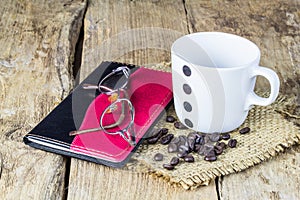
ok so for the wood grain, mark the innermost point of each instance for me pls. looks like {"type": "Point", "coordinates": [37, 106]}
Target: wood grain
{"type": "Point", "coordinates": [37, 44]}
{"type": "Point", "coordinates": [139, 32]}
{"type": "Point", "coordinates": [275, 27]}
{"type": "Point", "coordinates": [99, 182]}
{"type": "Point", "coordinates": [275, 179]}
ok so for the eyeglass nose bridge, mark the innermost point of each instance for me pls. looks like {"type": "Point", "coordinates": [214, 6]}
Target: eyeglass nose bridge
{"type": "Point", "coordinates": [106, 90]}
{"type": "Point", "coordinates": [125, 132]}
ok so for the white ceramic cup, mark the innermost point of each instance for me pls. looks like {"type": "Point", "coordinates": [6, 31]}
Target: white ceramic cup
{"type": "Point", "coordinates": [213, 76]}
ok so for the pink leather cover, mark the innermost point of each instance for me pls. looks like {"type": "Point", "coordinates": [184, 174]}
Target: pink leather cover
{"type": "Point", "coordinates": [150, 91]}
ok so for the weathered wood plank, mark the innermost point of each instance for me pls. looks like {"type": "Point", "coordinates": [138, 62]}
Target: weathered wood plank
{"type": "Point", "coordinates": [139, 32]}
{"type": "Point", "coordinates": [98, 182]}
{"type": "Point", "coordinates": [274, 26]}
{"type": "Point", "coordinates": [37, 44]}
{"type": "Point", "coordinates": [275, 179]}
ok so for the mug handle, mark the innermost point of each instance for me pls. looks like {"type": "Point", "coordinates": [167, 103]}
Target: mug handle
{"type": "Point", "coordinates": [272, 77]}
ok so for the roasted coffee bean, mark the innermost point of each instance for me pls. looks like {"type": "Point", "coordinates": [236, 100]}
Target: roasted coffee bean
{"type": "Point", "coordinates": [189, 158]}
{"type": "Point", "coordinates": [158, 157]}
{"type": "Point", "coordinates": [152, 140]}
{"type": "Point", "coordinates": [183, 148]}
{"type": "Point", "coordinates": [175, 140]}
{"type": "Point", "coordinates": [211, 159]}
{"type": "Point", "coordinates": [214, 137]}
{"type": "Point", "coordinates": [232, 143]}
{"type": "Point", "coordinates": [182, 154]}
{"type": "Point", "coordinates": [205, 149]}
{"type": "Point", "coordinates": [191, 144]}
{"type": "Point", "coordinates": [170, 119]}
{"type": "Point", "coordinates": [179, 125]}
{"type": "Point", "coordinates": [199, 140]}
{"type": "Point", "coordinates": [164, 131]}
{"type": "Point", "coordinates": [192, 135]}
{"type": "Point", "coordinates": [166, 139]}
{"type": "Point", "coordinates": [225, 136]}
{"type": "Point", "coordinates": [172, 148]}
{"type": "Point", "coordinates": [153, 134]}
{"type": "Point", "coordinates": [244, 130]}
{"type": "Point", "coordinates": [221, 144]}
{"type": "Point", "coordinates": [210, 153]}
{"type": "Point", "coordinates": [197, 147]}
{"type": "Point", "coordinates": [218, 150]}
{"type": "Point", "coordinates": [183, 140]}
{"type": "Point", "coordinates": [174, 161]}
{"type": "Point", "coordinates": [168, 166]}
{"type": "Point", "coordinates": [158, 134]}
{"type": "Point", "coordinates": [207, 140]}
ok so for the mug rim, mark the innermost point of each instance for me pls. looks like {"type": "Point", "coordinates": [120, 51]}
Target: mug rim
{"type": "Point", "coordinates": [249, 64]}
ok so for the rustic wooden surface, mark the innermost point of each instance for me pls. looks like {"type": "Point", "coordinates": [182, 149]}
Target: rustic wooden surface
{"type": "Point", "coordinates": [37, 52]}
{"type": "Point", "coordinates": [37, 45]}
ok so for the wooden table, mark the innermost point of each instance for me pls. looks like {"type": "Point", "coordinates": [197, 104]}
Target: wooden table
{"type": "Point", "coordinates": [46, 48]}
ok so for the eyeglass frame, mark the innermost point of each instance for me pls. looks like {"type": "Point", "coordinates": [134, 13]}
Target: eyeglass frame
{"type": "Point", "coordinates": [124, 133]}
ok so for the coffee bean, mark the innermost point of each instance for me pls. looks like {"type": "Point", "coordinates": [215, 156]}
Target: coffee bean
{"type": "Point", "coordinates": [225, 136]}
{"type": "Point", "coordinates": [221, 144]}
{"type": "Point", "coordinates": [179, 125]}
{"type": "Point", "coordinates": [154, 133]}
{"type": "Point", "coordinates": [172, 148]}
{"type": "Point", "coordinates": [191, 144]}
{"type": "Point", "coordinates": [197, 147]}
{"type": "Point", "coordinates": [152, 140]}
{"type": "Point", "coordinates": [205, 149]}
{"type": "Point", "coordinates": [210, 153]}
{"type": "Point", "coordinates": [166, 139]}
{"type": "Point", "coordinates": [183, 140]}
{"type": "Point", "coordinates": [214, 137]}
{"type": "Point", "coordinates": [207, 140]}
{"type": "Point", "coordinates": [164, 131]}
{"type": "Point", "coordinates": [158, 157]}
{"type": "Point", "coordinates": [170, 119]}
{"type": "Point", "coordinates": [175, 140]}
{"type": "Point", "coordinates": [232, 143]}
{"type": "Point", "coordinates": [168, 166]}
{"type": "Point", "coordinates": [199, 140]}
{"type": "Point", "coordinates": [244, 130]}
{"type": "Point", "coordinates": [183, 148]}
{"type": "Point", "coordinates": [174, 161]}
{"type": "Point", "coordinates": [158, 134]}
{"type": "Point", "coordinates": [192, 135]}
{"type": "Point", "coordinates": [218, 150]}
{"type": "Point", "coordinates": [189, 158]}
{"type": "Point", "coordinates": [182, 154]}
{"type": "Point", "coordinates": [211, 159]}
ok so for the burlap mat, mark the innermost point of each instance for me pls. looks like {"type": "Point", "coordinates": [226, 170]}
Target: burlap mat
{"type": "Point", "coordinates": [273, 128]}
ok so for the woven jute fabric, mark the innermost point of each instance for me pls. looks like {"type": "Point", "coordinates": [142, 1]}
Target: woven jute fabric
{"type": "Point", "coordinates": [273, 129]}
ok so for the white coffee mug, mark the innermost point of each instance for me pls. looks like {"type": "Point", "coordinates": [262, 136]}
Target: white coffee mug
{"type": "Point", "coordinates": [213, 76]}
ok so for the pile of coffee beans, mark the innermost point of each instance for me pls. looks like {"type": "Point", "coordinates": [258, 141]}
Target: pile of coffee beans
{"type": "Point", "coordinates": [206, 146]}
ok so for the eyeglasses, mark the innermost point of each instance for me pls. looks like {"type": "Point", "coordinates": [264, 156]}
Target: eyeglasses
{"type": "Point", "coordinates": [121, 108]}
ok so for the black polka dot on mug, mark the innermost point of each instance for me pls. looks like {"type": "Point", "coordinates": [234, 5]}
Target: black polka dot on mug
{"type": "Point", "coordinates": [187, 106]}
{"type": "Point", "coordinates": [186, 70]}
{"type": "Point", "coordinates": [188, 123]}
{"type": "Point", "coordinates": [187, 89]}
